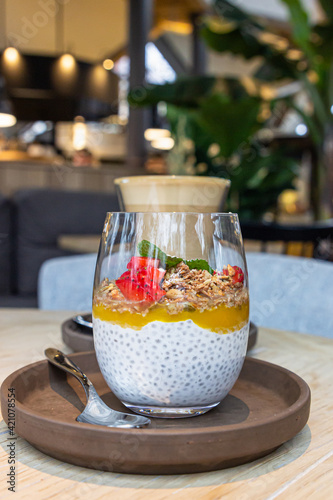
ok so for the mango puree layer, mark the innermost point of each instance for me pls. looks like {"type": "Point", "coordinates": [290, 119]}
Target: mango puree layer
{"type": "Point", "coordinates": [222, 319]}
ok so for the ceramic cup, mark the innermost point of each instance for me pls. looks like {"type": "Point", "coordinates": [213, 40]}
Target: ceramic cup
{"type": "Point", "coordinates": [171, 193]}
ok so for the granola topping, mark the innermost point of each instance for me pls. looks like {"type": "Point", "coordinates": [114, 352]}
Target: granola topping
{"type": "Point", "coordinates": [181, 289]}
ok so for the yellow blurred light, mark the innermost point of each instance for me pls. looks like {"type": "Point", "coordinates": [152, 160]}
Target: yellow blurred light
{"type": "Point", "coordinates": [213, 150]}
{"type": "Point", "coordinates": [108, 64]}
{"type": "Point", "coordinates": [221, 26]}
{"type": "Point", "coordinates": [250, 85]}
{"type": "Point", "coordinates": [152, 134]}
{"type": "Point", "coordinates": [79, 133]}
{"type": "Point", "coordinates": [7, 120]}
{"type": "Point", "coordinates": [288, 201]}
{"type": "Point", "coordinates": [98, 78]}
{"type": "Point", "coordinates": [181, 27]}
{"type": "Point", "coordinates": [313, 76]}
{"type": "Point", "coordinates": [267, 93]}
{"type": "Point", "coordinates": [294, 54]}
{"type": "Point", "coordinates": [278, 42]}
{"type": "Point", "coordinates": [11, 55]}
{"type": "Point", "coordinates": [67, 62]}
{"type": "Point", "coordinates": [164, 143]}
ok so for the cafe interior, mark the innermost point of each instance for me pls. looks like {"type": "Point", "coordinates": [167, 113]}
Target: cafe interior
{"type": "Point", "coordinates": [152, 151]}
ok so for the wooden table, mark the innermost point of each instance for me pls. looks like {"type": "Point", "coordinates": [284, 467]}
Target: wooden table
{"type": "Point", "coordinates": [79, 243]}
{"type": "Point", "coordinates": [300, 469]}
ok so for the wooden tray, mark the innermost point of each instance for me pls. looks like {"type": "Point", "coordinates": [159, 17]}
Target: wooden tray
{"type": "Point", "coordinates": [80, 339]}
{"type": "Point", "coordinates": [267, 406]}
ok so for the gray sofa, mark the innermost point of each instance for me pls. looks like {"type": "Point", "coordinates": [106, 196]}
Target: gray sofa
{"type": "Point", "coordinates": [30, 225]}
{"type": "Point", "coordinates": [6, 268]}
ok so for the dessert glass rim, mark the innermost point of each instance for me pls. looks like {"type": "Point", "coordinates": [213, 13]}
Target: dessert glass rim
{"type": "Point", "coordinates": [194, 179]}
{"type": "Point", "coordinates": [224, 214]}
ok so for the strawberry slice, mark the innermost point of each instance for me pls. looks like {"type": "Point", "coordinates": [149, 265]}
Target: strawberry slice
{"type": "Point", "coordinates": [238, 277]}
{"type": "Point", "coordinates": [138, 263]}
{"type": "Point", "coordinates": [144, 276]}
{"type": "Point", "coordinates": [131, 290]}
{"type": "Point", "coordinates": [155, 291]}
{"type": "Point", "coordinates": [134, 292]}
{"type": "Point", "coordinates": [141, 283]}
{"type": "Point", "coordinates": [151, 275]}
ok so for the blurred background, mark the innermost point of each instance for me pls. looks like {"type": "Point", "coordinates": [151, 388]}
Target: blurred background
{"type": "Point", "coordinates": [94, 91]}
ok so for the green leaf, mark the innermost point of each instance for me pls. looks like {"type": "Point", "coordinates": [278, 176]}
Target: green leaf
{"type": "Point", "coordinates": [229, 11]}
{"type": "Point", "coordinates": [147, 249]}
{"type": "Point", "coordinates": [275, 67]}
{"type": "Point", "coordinates": [229, 122]}
{"type": "Point", "coordinates": [245, 44]}
{"type": "Point", "coordinates": [300, 24]}
{"type": "Point", "coordinates": [315, 130]}
{"type": "Point", "coordinates": [172, 261]}
{"type": "Point", "coordinates": [235, 41]}
{"type": "Point", "coordinates": [186, 91]}
{"type": "Point", "coordinates": [199, 264]}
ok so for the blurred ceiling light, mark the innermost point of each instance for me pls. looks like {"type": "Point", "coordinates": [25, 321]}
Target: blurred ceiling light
{"type": "Point", "coordinates": [67, 62]}
{"type": "Point", "coordinates": [164, 143]}
{"type": "Point", "coordinates": [152, 134]}
{"type": "Point", "coordinates": [11, 55]}
{"type": "Point", "coordinates": [7, 120]}
{"type": "Point", "coordinates": [108, 64]}
{"type": "Point", "coordinates": [98, 80]}
{"type": "Point", "coordinates": [301, 129]}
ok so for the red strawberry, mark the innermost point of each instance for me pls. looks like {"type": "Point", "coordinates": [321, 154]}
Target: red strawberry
{"type": "Point", "coordinates": [138, 263]}
{"type": "Point", "coordinates": [142, 280]}
{"type": "Point", "coordinates": [238, 277]}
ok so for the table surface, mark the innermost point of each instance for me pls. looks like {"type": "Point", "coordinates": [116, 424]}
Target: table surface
{"type": "Point", "coordinates": [300, 469]}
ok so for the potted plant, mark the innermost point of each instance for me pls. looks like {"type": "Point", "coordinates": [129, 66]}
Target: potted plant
{"type": "Point", "coordinates": [219, 118]}
{"type": "Point", "coordinates": [305, 56]}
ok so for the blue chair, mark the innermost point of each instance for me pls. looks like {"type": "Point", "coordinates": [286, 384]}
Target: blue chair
{"type": "Point", "coordinates": [291, 293]}
{"type": "Point", "coordinates": [66, 283]}
{"type": "Point", "coordinates": [287, 293]}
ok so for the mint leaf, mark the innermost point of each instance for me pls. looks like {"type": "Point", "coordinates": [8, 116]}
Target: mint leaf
{"type": "Point", "coordinates": [147, 249]}
{"type": "Point", "coordinates": [172, 261]}
{"type": "Point", "coordinates": [199, 264]}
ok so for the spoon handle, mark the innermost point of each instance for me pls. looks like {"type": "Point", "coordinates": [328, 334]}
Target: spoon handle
{"type": "Point", "coordinates": [60, 360]}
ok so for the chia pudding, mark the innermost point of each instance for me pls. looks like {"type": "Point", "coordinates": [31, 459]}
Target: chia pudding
{"type": "Point", "coordinates": [173, 337]}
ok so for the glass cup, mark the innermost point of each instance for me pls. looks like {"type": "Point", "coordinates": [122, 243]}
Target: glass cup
{"type": "Point", "coordinates": [171, 310]}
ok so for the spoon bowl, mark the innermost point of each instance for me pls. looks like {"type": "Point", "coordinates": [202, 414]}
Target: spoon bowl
{"type": "Point", "coordinates": [96, 411]}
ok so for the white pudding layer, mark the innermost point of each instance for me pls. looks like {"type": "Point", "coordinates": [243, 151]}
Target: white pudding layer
{"type": "Point", "coordinates": [169, 364]}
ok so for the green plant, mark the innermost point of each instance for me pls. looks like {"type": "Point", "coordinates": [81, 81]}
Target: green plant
{"type": "Point", "coordinates": [306, 56]}
{"type": "Point", "coordinates": [222, 118]}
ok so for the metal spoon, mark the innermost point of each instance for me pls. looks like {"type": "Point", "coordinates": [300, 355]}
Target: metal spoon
{"type": "Point", "coordinates": [80, 320]}
{"type": "Point", "coordinates": [96, 411]}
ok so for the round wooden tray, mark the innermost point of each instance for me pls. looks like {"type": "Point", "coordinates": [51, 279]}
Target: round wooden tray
{"type": "Point", "coordinates": [80, 339]}
{"type": "Point", "coordinates": [267, 406]}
